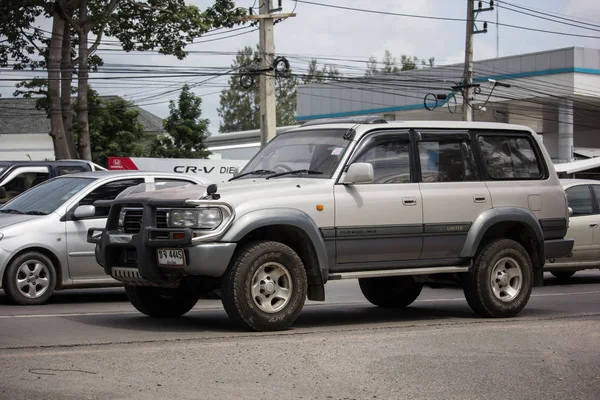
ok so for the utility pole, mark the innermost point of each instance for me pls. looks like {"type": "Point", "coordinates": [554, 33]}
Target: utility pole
{"type": "Point", "coordinates": [467, 110]}
{"type": "Point", "coordinates": [268, 109]}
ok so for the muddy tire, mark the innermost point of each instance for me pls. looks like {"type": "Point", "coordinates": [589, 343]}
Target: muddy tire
{"type": "Point", "coordinates": [265, 286]}
{"type": "Point", "coordinates": [500, 282]}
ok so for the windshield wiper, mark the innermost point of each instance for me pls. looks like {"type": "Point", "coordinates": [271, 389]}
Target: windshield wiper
{"type": "Point", "coordinates": [9, 211]}
{"type": "Point", "coordinates": [257, 172]}
{"type": "Point", "coordinates": [36, 213]}
{"type": "Point", "coordinates": [296, 172]}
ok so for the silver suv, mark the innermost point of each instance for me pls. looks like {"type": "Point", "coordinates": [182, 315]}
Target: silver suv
{"type": "Point", "coordinates": [396, 205]}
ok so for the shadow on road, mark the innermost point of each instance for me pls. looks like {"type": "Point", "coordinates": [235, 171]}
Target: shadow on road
{"type": "Point", "coordinates": [580, 278]}
{"type": "Point", "coordinates": [325, 315]}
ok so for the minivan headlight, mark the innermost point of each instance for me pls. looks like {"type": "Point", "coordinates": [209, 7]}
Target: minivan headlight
{"type": "Point", "coordinates": [199, 218]}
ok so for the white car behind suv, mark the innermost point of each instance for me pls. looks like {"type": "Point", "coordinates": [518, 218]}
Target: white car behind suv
{"type": "Point", "coordinates": [584, 226]}
{"type": "Point", "coordinates": [43, 232]}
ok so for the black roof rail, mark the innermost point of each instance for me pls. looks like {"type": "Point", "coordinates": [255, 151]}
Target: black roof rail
{"type": "Point", "coordinates": [359, 119]}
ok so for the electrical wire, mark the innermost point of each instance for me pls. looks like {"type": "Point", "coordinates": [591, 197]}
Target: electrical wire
{"type": "Point", "coordinates": [441, 18]}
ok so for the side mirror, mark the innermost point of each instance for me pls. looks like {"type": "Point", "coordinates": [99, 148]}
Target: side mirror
{"type": "Point", "coordinates": [84, 212]}
{"type": "Point", "coordinates": [2, 192]}
{"type": "Point", "coordinates": [359, 173]}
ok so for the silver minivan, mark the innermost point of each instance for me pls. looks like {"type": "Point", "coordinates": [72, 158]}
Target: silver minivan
{"type": "Point", "coordinates": [43, 232]}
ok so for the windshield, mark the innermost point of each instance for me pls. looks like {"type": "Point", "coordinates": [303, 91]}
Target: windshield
{"type": "Point", "coordinates": [318, 151]}
{"type": "Point", "coordinates": [45, 197]}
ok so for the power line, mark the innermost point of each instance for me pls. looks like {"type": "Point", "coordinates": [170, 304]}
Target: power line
{"type": "Point", "coordinates": [441, 18]}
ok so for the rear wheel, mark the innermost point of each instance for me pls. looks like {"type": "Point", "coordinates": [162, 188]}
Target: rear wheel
{"type": "Point", "coordinates": [501, 280]}
{"type": "Point", "coordinates": [562, 275]}
{"type": "Point", "coordinates": [390, 292]}
{"type": "Point", "coordinates": [162, 302]}
{"type": "Point", "coordinates": [30, 279]}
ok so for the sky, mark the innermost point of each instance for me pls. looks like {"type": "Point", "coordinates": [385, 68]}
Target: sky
{"type": "Point", "coordinates": [348, 36]}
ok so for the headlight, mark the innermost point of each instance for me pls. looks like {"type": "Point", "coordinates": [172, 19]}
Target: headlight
{"type": "Point", "coordinates": [200, 218]}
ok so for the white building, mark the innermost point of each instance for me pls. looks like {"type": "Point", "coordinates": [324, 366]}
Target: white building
{"type": "Point", "coordinates": [557, 93]}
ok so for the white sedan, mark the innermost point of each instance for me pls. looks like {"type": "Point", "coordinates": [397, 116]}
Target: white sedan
{"type": "Point", "coordinates": [43, 231]}
{"type": "Point", "coordinates": [584, 199]}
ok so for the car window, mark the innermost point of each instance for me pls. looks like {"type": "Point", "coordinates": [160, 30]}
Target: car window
{"type": "Point", "coordinates": [580, 200]}
{"type": "Point", "coordinates": [47, 196]}
{"type": "Point", "coordinates": [318, 150]}
{"type": "Point", "coordinates": [447, 162]}
{"type": "Point", "coordinates": [23, 182]}
{"type": "Point", "coordinates": [175, 180]}
{"type": "Point", "coordinates": [69, 170]}
{"type": "Point", "coordinates": [596, 189]}
{"type": "Point", "coordinates": [509, 157]}
{"type": "Point", "coordinates": [389, 155]}
{"type": "Point", "coordinates": [108, 191]}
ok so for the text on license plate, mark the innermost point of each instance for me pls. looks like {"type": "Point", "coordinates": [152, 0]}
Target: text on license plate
{"type": "Point", "coordinates": [171, 257]}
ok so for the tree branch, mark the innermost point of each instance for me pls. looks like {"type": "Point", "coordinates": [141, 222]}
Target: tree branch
{"type": "Point", "coordinates": [63, 12]}
{"type": "Point", "coordinates": [30, 40]}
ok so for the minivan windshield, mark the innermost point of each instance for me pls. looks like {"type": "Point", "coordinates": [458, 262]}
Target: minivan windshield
{"type": "Point", "coordinates": [45, 197]}
{"type": "Point", "coordinates": [306, 153]}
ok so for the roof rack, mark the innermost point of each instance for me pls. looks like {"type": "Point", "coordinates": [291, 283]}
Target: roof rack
{"type": "Point", "coordinates": [359, 119]}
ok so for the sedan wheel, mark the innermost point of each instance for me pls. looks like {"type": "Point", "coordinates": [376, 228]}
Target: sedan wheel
{"type": "Point", "coordinates": [30, 279]}
{"type": "Point", "coordinates": [33, 279]}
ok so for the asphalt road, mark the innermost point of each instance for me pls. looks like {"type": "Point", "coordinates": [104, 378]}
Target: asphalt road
{"type": "Point", "coordinates": [93, 344]}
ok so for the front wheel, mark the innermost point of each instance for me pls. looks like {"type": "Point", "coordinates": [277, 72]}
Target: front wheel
{"type": "Point", "coordinates": [265, 286]}
{"type": "Point", "coordinates": [30, 279]}
{"type": "Point", "coordinates": [392, 292]}
{"type": "Point", "coordinates": [162, 302]}
{"type": "Point", "coordinates": [500, 281]}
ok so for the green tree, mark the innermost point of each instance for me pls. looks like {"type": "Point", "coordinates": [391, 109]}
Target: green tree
{"type": "Point", "coordinates": [239, 106]}
{"type": "Point", "coordinates": [186, 130]}
{"type": "Point", "coordinates": [114, 128]}
{"type": "Point", "coordinates": [316, 75]}
{"type": "Point", "coordinates": [165, 25]}
{"type": "Point", "coordinates": [389, 64]}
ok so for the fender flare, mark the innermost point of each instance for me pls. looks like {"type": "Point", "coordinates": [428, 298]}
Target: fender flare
{"type": "Point", "coordinates": [493, 216]}
{"type": "Point", "coordinates": [281, 216]}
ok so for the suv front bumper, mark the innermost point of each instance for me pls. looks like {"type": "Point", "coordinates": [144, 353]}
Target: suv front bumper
{"type": "Point", "coordinates": [132, 257]}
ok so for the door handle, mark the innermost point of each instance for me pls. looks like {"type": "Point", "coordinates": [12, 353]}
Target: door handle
{"type": "Point", "coordinates": [479, 198]}
{"type": "Point", "coordinates": [409, 201]}
{"type": "Point", "coordinates": [593, 224]}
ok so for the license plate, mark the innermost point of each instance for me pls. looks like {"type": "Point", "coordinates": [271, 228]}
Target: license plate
{"type": "Point", "coordinates": [171, 257]}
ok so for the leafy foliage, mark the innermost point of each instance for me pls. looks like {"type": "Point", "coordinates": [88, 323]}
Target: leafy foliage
{"type": "Point", "coordinates": [163, 25]}
{"type": "Point", "coordinates": [389, 64]}
{"type": "Point", "coordinates": [186, 130]}
{"type": "Point", "coordinates": [239, 106]}
{"type": "Point", "coordinates": [114, 128]}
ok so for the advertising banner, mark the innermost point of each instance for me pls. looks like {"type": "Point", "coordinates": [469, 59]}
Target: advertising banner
{"type": "Point", "coordinates": [211, 170]}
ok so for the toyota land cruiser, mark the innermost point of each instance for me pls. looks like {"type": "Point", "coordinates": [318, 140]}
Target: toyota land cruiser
{"type": "Point", "coordinates": [396, 205]}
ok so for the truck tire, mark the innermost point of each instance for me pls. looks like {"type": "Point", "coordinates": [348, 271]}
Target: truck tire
{"type": "Point", "coordinates": [264, 288]}
{"type": "Point", "coordinates": [162, 302]}
{"type": "Point", "coordinates": [500, 282]}
{"type": "Point", "coordinates": [562, 275]}
{"type": "Point", "coordinates": [29, 279]}
{"type": "Point", "coordinates": [390, 292]}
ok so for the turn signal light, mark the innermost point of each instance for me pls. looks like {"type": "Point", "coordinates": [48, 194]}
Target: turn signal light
{"type": "Point", "coordinates": [319, 207]}
{"type": "Point", "coordinates": [178, 235]}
